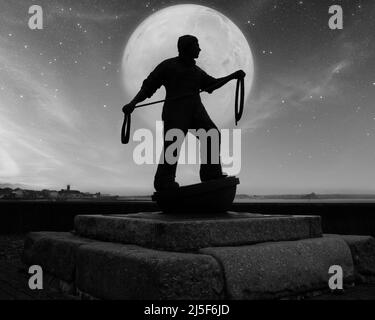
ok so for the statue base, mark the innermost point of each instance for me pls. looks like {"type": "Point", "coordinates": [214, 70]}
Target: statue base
{"type": "Point", "coordinates": [214, 196]}
{"type": "Point", "coordinates": [190, 232]}
{"type": "Point", "coordinates": [224, 256]}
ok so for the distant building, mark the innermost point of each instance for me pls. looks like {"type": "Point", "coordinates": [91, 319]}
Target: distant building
{"type": "Point", "coordinates": [310, 196]}
{"type": "Point", "coordinates": [53, 194]}
{"type": "Point", "coordinates": [45, 194]}
{"type": "Point", "coordinates": [69, 194]}
{"type": "Point", "coordinates": [48, 194]}
{"type": "Point", "coordinates": [18, 193]}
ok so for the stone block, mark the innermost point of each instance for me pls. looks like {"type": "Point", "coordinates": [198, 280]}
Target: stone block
{"type": "Point", "coordinates": [55, 252]}
{"type": "Point", "coordinates": [281, 269]}
{"type": "Point", "coordinates": [189, 233]}
{"type": "Point", "coordinates": [363, 254]}
{"type": "Point", "coordinates": [117, 271]}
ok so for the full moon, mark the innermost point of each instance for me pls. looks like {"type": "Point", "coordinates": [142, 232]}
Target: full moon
{"type": "Point", "coordinates": [224, 50]}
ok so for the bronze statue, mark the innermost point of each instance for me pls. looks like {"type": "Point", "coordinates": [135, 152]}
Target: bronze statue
{"type": "Point", "coordinates": [182, 78]}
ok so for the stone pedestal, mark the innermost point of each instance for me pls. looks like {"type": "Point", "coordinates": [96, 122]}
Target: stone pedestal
{"type": "Point", "coordinates": [225, 256]}
{"type": "Point", "coordinates": [190, 232]}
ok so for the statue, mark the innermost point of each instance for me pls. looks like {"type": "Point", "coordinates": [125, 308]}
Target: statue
{"type": "Point", "coordinates": [183, 109]}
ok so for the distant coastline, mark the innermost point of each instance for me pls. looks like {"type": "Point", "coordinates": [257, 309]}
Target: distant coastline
{"type": "Point", "coordinates": [310, 196]}
{"type": "Point", "coordinates": [19, 194]}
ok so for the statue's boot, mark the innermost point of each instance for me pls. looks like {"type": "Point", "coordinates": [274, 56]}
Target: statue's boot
{"type": "Point", "coordinates": [165, 185]}
{"type": "Point", "coordinates": [209, 172]}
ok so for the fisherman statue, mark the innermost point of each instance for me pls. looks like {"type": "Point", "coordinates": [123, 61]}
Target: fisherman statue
{"type": "Point", "coordinates": [183, 108]}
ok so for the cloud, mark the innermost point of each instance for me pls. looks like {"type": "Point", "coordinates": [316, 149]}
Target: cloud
{"type": "Point", "coordinates": [33, 119]}
{"type": "Point", "coordinates": [19, 80]}
{"type": "Point", "coordinates": [292, 91]}
{"type": "Point", "coordinates": [298, 88]}
{"type": "Point", "coordinates": [8, 167]}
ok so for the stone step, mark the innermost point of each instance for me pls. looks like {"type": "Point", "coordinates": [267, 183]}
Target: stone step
{"type": "Point", "coordinates": [190, 233]}
{"type": "Point", "coordinates": [106, 270]}
{"type": "Point", "coordinates": [269, 270]}
{"type": "Point", "coordinates": [280, 269]}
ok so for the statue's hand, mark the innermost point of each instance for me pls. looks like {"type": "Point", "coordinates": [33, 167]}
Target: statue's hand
{"type": "Point", "coordinates": [240, 74]}
{"type": "Point", "coordinates": [128, 108]}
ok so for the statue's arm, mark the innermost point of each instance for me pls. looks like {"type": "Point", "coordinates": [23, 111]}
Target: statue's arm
{"type": "Point", "coordinates": [211, 84]}
{"type": "Point", "coordinates": [153, 82]}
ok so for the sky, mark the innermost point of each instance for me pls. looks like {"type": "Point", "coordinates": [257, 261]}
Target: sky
{"type": "Point", "coordinates": [308, 126]}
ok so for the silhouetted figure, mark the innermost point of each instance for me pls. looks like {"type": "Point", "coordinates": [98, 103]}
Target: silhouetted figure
{"type": "Point", "coordinates": [182, 77]}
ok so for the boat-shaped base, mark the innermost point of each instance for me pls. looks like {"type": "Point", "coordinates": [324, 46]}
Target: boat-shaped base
{"type": "Point", "coordinates": [214, 196]}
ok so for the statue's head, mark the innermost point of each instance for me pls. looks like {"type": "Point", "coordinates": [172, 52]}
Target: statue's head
{"type": "Point", "coordinates": [188, 46]}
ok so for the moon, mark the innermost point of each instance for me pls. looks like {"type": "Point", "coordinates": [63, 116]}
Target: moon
{"type": "Point", "coordinates": [224, 50]}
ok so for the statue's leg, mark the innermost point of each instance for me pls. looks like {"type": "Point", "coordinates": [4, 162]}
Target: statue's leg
{"type": "Point", "coordinates": [166, 172]}
{"type": "Point", "coordinates": [210, 152]}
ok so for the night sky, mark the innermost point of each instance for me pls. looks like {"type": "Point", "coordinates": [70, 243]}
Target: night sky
{"type": "Point", "coordinates": [309, 124]}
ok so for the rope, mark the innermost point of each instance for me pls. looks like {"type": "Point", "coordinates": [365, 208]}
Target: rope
{"type": "Point", "coordinates": [238, 108]}
{"type": "Point", "coordinates": [125, 130]}
{"type": "Point", "coordinates": [239, 104]}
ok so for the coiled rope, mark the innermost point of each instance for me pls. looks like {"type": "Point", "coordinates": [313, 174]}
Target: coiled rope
{"type": "Point", "coordinates": [238, 108]}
